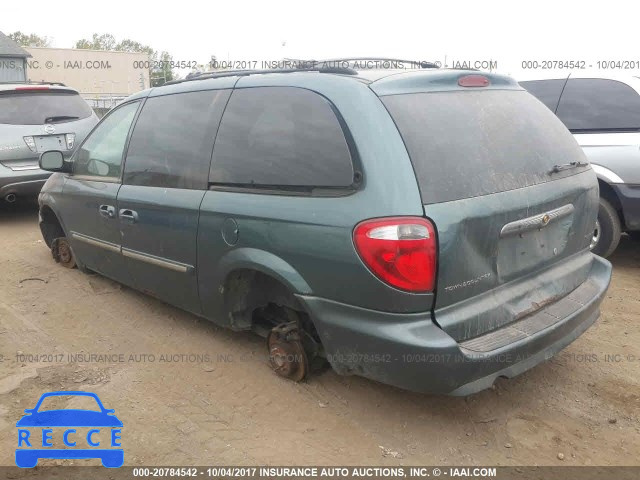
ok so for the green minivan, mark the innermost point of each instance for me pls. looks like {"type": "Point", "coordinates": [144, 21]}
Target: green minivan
{"type": "Point", "coordinates": [426, 228]}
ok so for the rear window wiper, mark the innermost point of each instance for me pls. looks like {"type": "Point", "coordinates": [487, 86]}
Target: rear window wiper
{"type": "Point", "coordinates": [59, 118]}
{"type": "Point", "coordinates": [566, 166]}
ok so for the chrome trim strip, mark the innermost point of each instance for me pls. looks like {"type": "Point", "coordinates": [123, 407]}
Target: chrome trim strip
{"type": "Point", "coordinates": [537, 221]}
{"type": "Point", "coordinates": [21, 168]}
{"type": "Point", "coordinates": [175, 266]}
{"type": "Point", "coordinates": [112, 247]}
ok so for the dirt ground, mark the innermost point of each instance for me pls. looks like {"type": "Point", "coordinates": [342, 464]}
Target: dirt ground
{"type": "Point", "coordinates": [580, 408]}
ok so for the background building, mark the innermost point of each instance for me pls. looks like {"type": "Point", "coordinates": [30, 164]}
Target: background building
{"type": "Point", "coordinates": [13, 60]}
{"type": "Point", "coordinates": [103, 77]}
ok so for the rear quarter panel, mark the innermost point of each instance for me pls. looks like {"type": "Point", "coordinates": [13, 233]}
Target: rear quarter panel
{"type": "Point", "coordinates": [312, 236]}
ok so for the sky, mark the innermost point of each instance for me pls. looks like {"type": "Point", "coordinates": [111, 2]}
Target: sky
{"type": "Point", "coordinates": [462, 30]}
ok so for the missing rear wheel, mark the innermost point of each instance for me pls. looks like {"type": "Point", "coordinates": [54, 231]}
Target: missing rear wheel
{"type": "Point", "coordinates": [62, 253]}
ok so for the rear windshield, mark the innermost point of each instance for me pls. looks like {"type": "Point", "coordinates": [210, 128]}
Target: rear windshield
{"type": "Point", "coordinates": [38, 108]}
{"type": "Point", "coordinates": [471, 143]}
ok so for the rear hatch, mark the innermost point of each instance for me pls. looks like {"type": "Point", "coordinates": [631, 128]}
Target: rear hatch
{"type": "Point", "coordinates": [509, 191]}
{"type": "Point", "coordinates": [34, 119]}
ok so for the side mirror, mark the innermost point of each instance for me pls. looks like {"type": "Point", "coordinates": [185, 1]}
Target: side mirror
{"type": "Point", "coordinates": [53, 161]}
{"type": "Point", "coordinates": [29, 410]}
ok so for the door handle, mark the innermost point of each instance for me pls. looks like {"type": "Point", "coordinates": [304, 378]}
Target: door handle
{"type": "Point", "coordinates": [107, 211]}
{"type": "Point", "coordinates": [129, 215]}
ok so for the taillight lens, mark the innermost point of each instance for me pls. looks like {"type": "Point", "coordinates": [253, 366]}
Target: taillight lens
{"type": "Point", "coordinates": [30, 143]}
{"type": "Point", "coordinates": [401, 251]}
{"type": "Point", "coordinates": [71, 138]}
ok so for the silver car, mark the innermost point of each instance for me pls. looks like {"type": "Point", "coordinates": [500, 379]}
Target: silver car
{"type": "Point", "coordinates": [603, 113]}
{"type": "Point", "coordinates": [35, 118]}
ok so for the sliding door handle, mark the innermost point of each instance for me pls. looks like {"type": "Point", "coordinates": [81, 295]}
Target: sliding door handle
{"type": "Point", "coordinates": [129, 215]}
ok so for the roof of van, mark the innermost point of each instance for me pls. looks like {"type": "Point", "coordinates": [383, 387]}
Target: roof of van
{"type": "Point", "coordinates": [381, 81]}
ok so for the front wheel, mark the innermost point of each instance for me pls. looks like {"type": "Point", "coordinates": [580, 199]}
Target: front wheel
{"type": "Point", "coordinates": [606, 234]}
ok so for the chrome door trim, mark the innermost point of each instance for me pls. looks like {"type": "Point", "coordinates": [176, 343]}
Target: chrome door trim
{"type": "Point", "coordinates": [112, 247]}
{"type": "Point", "coordinates": [160, 262]}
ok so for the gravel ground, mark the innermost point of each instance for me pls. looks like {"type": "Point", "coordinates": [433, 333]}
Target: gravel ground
{"type": "Point", "coordinates": [580, 408]}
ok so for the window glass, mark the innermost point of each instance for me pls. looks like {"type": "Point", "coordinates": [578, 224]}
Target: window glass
{"type": "Point", "coordinates": [173, 138]}
{"type": "Point", "coordinates": [471, 143]}
{"type": "Point", "coordinates": [599, 104]}
{"type": "Point", "coordinates": [281, 136]}
{"type": "Point", "coordinates": [547, 91]}
{"type": "Point", "coordinates": [33, 107]}
{"type": "Point", "coordinates": [101, 154]}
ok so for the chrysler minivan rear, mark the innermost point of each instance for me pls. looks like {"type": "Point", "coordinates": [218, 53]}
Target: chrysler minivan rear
{"type": "Point", "coordinates": [509, 205]}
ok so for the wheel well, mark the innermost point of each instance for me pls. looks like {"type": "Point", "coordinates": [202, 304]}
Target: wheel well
{"type": "Point", "coordinates": [50, 226]}
{"type": "Point", "coordinates": [608, 193]}
{"type": "Point", "coordinates": [254, 301]}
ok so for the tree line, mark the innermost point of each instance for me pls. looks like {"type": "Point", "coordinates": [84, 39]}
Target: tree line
{"type": "Point", "coordinates": [160, 61]}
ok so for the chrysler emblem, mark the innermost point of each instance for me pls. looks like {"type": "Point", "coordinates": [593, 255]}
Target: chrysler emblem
{"type": "Point", "coordinates": [545, 219]}
{"type": "Point", "coordinates": [49, 129]}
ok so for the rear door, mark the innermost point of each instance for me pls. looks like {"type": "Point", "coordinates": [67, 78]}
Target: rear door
{"type": "Point", "coordinates": [165, 179]}
{"type": "Point", "coordinates": [485, 161]}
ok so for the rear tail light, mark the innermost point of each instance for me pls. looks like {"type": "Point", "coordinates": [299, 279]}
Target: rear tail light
{"type": "Point", "coordinates": [71, 138]}
{"type": "Point", "coordinates": [401, 251]}
{"type": "Point", "coordinates": [30, 143]}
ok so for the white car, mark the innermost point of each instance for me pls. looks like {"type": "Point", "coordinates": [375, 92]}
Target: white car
{"type": "Point", "coordinates": [603, 113]}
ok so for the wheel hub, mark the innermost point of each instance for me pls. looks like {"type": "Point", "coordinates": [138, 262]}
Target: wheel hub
{"type": "Point", "coordinates": [62, 253]}
{"type": "Point", "coordinates": [596, 236]}
{"type": "Point", "coordinates": [286, 352]}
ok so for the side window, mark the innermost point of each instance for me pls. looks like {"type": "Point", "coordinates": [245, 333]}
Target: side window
{"type": "Point", "coordinates": [173, 138]}
{"type": "Point", "coordinates": [547, 91]}
{"type": "Point", "coordinates": [598, 104]}
{"type": "Point", "coordinates": [281, 137]}
{"type": "Point", "coordinates": [101, 154]}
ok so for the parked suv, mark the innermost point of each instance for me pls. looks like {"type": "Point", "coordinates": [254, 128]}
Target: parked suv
{"type": "Point", "coordinates": [35, 118]}
{"type": "Point", "coordinates": [428, 229]}
{"type": "Point", "coordinates": [603, 113]}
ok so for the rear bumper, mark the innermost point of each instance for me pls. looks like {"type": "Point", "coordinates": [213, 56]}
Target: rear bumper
{"type": "Point", "coordinates": [629, 196]}
{"type": "Point", "coordinates": [411, 352]}
{"type": "Point", "coordinates": [22, 184]}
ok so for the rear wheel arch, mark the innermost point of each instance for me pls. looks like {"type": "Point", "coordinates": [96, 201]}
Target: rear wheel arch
{"type": "Point", "coordinates": [246, 290]}
{"type": "Point", "coordinates": [608, 193]}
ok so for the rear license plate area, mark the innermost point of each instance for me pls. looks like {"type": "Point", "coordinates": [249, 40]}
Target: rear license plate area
{"type": "Point", "coordinates": [532, 249]}
{"type": "Point", "coordinates": [50, 142]}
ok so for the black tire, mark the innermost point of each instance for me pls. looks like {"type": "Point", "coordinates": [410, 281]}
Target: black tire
{"type": "Point", "coordinates": [610, 230]}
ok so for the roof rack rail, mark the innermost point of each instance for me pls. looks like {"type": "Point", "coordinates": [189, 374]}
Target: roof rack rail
{"type": "Point", "coordinates": [312, 67]}
{"type": "Point", "coordinates": [419, 63]}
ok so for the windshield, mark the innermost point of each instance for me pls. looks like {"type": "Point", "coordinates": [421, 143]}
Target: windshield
{"type": "Point", "coordinates": [40, 107]}
{"type": "Point", "coordinates": [472, 143]}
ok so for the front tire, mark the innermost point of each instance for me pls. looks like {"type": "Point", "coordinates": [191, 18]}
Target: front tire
{"type": "Point", "coordinates": [608, 230]}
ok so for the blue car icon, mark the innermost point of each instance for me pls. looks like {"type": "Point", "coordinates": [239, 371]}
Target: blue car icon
{"type": "Point", "coordinates": [67, 419]}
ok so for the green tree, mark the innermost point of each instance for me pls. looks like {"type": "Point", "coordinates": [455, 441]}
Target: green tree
{"type": "Point", "coordinates": [160, 71]}
{"type": "Point", "coordinates": [163, 72]}
{"type": "Point", "coordinates": [106, 41]}
{"type": "Point", "coordinates": [29, 40]}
